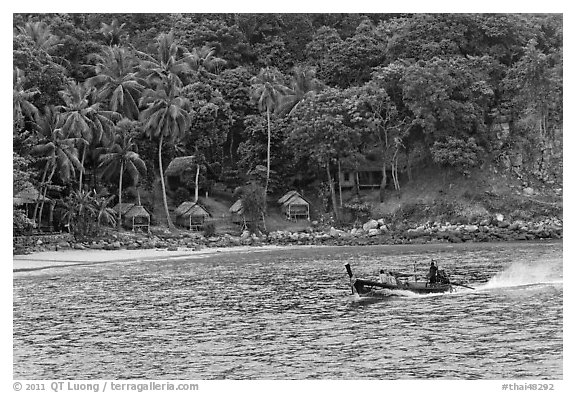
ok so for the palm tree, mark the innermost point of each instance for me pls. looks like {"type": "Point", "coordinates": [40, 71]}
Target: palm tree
{"type": "Point", "coordinates": [40, 34]}
{"type": "Point", "coordinates": [21, 99]}
{"type": "Point", "coordinates": [57, 149]}
{"type": "Point", "coordinates": [166, 117]}
{"type": "Point", "coordinates": [171, 63]}
{"type": "Point", "coordinates": [83, 119]}
{"type": "Point", "coordinates": [117, 81]}
{"type": "Point", "coordinates": [303, 84]}
{"type": "Point", "coordinates": [120, 158]}
{"type": "Point", "coordinates": [266, 89]}
{"type": "Point", "coordinates": [204, 59]}
{"type": "Point", "coordinates": [112, 32]}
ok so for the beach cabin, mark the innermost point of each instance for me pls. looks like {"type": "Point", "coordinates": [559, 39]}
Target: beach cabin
{"type": "Point", "coordinates": [191, 215]}
{"type": "Point", "coordinates": [133, 216]}
{"type": "Point", "coordinates": [27, 200]}
{"type": "Point", "coordinates": [294, 206]}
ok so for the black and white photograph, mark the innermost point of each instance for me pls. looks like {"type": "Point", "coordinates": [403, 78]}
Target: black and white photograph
{"type": "Point", "coordinates": [364, 197]}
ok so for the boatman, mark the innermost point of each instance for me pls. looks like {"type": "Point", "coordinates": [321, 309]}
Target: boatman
{"type": "Point", "coordinates": [433, 273]}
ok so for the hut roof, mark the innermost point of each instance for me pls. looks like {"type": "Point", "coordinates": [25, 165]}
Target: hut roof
{"type": "Point", "coordinates": [191, 209]}
{"type": "Point", "coordinates": [296, 200]}
{"type": "Point", "coordinates": [287, 196]}
{"type": "Point", "coordinates": [181, 164]}
{"type": "Point", "coordinates": [29, 195]}
{"type": "Point", "coordinates": [237, 207]}
{"type": "Point", "coordinates": [183, 208]}
{"type": "Point", "coordinates": [137, 211]}
{"type": "Point", "coordinates": [123, 208]}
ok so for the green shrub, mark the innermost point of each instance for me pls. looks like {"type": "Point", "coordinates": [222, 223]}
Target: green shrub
{"type": "Point", "coordinates": [209, 229]}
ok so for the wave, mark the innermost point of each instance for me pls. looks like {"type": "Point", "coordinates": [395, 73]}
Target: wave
{"type": "Point", "coordinates": [525, 273]}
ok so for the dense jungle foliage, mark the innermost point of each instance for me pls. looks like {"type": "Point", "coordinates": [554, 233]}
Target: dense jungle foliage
{"type": "Point", "coordinates": [104, 102]}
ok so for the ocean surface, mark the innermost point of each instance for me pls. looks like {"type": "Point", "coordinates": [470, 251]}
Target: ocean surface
{"type": "Point", "coordinates": [290, 314]}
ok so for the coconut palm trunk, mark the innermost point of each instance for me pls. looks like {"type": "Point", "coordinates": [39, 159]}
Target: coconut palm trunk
{"type": "Point", "coordinates": [44, 195]}
{"type": "Point", "coordinates": [170, 224]}
{"type": "Point", "coordinates": [196, 183]}
{"type": "Point", "coordinates": [332, 192]}
{"type": "Point", "coordinates": [82, 169]}
{"type": "Point", "coordinates": [267, 154]}
{"type": "Point", "coordinates": [119, 223]}
{"type": "Point", "coordinates": [40, 191]}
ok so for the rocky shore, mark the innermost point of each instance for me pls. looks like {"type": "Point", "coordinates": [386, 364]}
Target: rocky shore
{"type": "Point", "coordinates": [371, 233]}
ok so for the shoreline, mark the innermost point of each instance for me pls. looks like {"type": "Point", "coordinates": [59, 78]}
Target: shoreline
{"type": "Point", "coordinates": [67, 258]}
{"type": "Point", "coordinates": [43, 260]}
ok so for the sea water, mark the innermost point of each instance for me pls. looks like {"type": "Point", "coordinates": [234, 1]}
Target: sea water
{"type": "Point", "coordinates": [290, 314]}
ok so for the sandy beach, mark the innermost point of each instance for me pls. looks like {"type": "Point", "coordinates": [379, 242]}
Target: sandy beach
{"type": "Point", "coordinates": [51, 259]}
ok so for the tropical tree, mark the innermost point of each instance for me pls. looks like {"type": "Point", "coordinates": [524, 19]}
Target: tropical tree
{"type": "Point", "coordinates": [303, 84]}
{"type": "Point", "coordinates": [120, 157]}
{"type": "Point", "coordinates": [117, 81]}
{"type": "Point", "coordinates": [165, 118]}
{"type": "Point", "coordinates": [81, 213]}
{"type": "Point", "coordinates": [59, 151]}
{"type": "Point", "coordinates": [21, 97]}
{"type": "Point", "coordinates": [171, 64]}
{"type": "Point", "coordinates": [41, 36]}
{"type": "Point", "coordinates": [112, 32]}
{"type": "Point", "coordinates": [204, 59]}
{"type": "Point", "coordinates": [326, 129]}
{"type": "Point", "coordinates": [83, 119]}
{"type": "Point", "coordinates": [267, 88]}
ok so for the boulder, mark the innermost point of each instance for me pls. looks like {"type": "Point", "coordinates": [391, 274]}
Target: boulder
{"type": "Point", "coordinates": [336, 232]}
{"type": "Point", "coordinates": [499, 217]}
{"type": "Point", "coordinates": [63, 245]}
{"type": "Point", "coordinates": [245, 235]}
{"type": "Point", "coordinates": [372, 224]}
{"type": "Point", "coordinates": [373, 232]}
{"type": "Point", "coordinates": [471, 228]}
{"type": "Point", "coordinates": [528, 191]}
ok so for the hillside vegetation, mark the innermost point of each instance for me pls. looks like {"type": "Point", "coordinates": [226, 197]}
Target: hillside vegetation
{"type": "Point", "coordinates": [457, 117]}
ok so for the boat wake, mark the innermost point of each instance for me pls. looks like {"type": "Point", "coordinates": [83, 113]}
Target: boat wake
{"type": "Point", "coordinates": [525, 274]}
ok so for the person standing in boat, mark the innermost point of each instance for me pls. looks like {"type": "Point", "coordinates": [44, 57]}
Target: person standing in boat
{"type": "Point", "coordinates": [433, 273]}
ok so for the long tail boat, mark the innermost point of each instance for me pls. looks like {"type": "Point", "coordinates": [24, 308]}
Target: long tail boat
{"type": "Point", "coordinates": [401, 282]}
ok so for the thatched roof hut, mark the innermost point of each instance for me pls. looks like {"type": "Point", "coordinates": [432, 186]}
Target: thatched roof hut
{"type": "Point", "coordinates": [294, 206]}
{"type": "Point", "coordinates": [30, 195]}
{"type": "Point", "coordinates": [137, 218]}
{"type": "Point", "coordinates": [191, 215]}
{"type": "Point", "coordinates": [123, 208]}
{"type": "Point", "coordinates": [133, 216]}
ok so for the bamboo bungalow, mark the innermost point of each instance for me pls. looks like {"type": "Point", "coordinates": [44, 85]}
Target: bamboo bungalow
{"type": "Point", "coordinates": [137, 218]}
{"type": "Point", "coordinates": [28, 198]}
{"type": "Point", "coordinates": [191, 215]}
{"type": "Point", "coordinates": [294, 206]}
{"type": "Point", "coordinates": [238, 216]}
{"type": "Point", "coordinates": [134, 216]}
